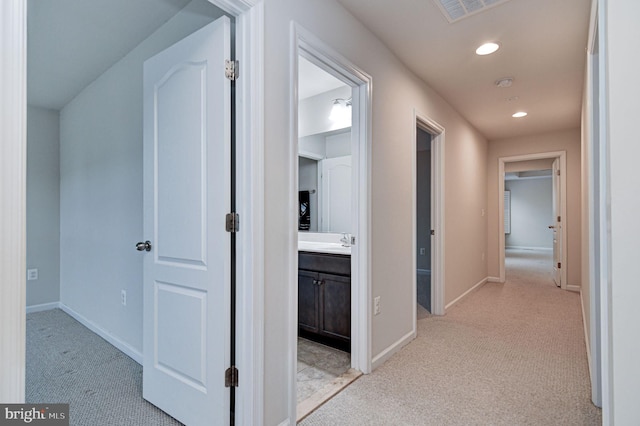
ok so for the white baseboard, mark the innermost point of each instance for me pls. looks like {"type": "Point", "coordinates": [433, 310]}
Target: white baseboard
{"type": "Point", "coordinates": [43, 307]}
{"type": "Point", "coordinates": [494, 280]}
{"type": "Point", "coordinates": [383, 356]}
{"type": "Point", "coordinates": [575, 288]}
{"type": "Point", "coordinates": [285, 423]}
{"type": "Point", "coordinates": [529, 248]}
{"type": "Point", "coordinates": [586, 336]}
{"type": "Point", "coordinates": [466, 293]}
{"type": "Point", "coordinates": [115, 341]}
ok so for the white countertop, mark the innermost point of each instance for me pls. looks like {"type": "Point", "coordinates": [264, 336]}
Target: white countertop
{"type": "Point", "coordinates": [323, 247]}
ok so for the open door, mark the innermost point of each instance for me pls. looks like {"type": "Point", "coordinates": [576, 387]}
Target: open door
{"type": "Point", "coordinates": [187, 189]}
{"type": "Point", "coordinates": [557, 224]}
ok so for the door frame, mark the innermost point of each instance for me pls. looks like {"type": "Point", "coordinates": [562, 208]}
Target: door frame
{"type": "Point", "coordinates": [562, 156]}
{"type": "Point", "coordinates": [437, 133]}
{"type": "Point", "coordinates": [304, 43]}
{"type": "Point", "coordinates": [249, 17]}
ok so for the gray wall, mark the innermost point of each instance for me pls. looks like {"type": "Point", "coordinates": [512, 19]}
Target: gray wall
{"type": "Point", "coordinates": [43, 204]}
{"type": "Point", "coordinates": [531, 213]}
{"type": "Point", "coordinates": [101, 186]}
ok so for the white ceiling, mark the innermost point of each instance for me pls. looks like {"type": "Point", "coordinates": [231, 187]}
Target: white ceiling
{"type": "Point", "coordinates": [312, 80]}
{"type": "Point", "coordinates": [542, 47]}
{"type": "Point", "coordinates": [72, 42]}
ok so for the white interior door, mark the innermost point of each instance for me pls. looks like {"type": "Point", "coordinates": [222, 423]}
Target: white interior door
{"type": "Point", "coordinates": [557, 224]}
{"type": "Point", "coordinates": [336, 194]}
{"type": "Point", "coordinates": [187, 126]}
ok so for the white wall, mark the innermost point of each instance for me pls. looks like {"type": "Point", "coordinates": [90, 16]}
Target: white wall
{"type": "Point", "coordinates": [531, 213]}
{"type": "Point", "coordinates": [313, 112]}
{"type": "Point", "coordinates": [397, 94]}
{"type": "Point", "coordinates": [43, 204]}
{"type": "Point", "coordinates": [621, 20]}
{"type": "Point", "coordinates": [567, 140]}
{"type": "Point", "coordinates": [101, 186]}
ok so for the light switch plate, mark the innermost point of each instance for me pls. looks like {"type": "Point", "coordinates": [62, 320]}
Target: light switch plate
{"type": "Point", "coordinates": [32, 274]}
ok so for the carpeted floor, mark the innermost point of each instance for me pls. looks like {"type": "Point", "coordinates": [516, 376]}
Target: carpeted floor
{"type": "Point", "coordinates": [67, 363]}
{"type": "Point", "coordinates": [509, 354]}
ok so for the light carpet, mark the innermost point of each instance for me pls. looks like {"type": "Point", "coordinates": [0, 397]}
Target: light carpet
{"type": "Point", "coordinates": [509, 354]}
{"type": "Point", "coordinates": [68, 363]}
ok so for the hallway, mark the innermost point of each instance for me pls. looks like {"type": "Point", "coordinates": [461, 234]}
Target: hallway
{"type": "Point", "coordinates": [509, 354]}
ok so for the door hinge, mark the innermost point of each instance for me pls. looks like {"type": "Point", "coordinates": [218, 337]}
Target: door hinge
{"type": "Point", "coordinates": [559, 265]}
{"type": "Point", "coordinates": [231, 377]}
{"type": "Point", "coordinates": [432, 232]}
{"type": "Point", "coordinates": [231, 69]}
{"type": "Point", "coordinates": [233, 222]}
{"type": "Point", "coordinates": [559, 218]}
{"type": "Point", "coordinates": [353, 240]}
{"type": "Point", "coordinates": [558, 172]}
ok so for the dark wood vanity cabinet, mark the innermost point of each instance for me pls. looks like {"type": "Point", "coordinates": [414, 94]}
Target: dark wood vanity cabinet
{"type": "Point", "coordinates": [324, 298]}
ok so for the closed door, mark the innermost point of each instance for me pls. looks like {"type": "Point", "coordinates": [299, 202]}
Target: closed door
{"type": "Point", "coordinates": [336, 194]}
{"type": "Point", "coordinates": [186, 196]}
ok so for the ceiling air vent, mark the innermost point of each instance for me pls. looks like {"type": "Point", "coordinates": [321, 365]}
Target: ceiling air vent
{"type": "Point", "coordinates": [454, 10]}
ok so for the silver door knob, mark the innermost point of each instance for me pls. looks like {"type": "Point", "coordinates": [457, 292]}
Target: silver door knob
{"type": "Point", "coordinates": [146, 246]}
{"type": "Point", "coordinates": [552, 227]}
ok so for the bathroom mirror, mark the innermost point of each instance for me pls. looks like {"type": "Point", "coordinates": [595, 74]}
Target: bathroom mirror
{"type": "Point", "coordinates": [324, 151]}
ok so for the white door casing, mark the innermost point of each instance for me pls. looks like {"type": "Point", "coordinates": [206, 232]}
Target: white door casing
{"type": "Point", "coordinates": [187, 130]}
{"type": "Point", "coordinates": [335, 196]}
{"type": "Point", "coordinates": [557, 223]}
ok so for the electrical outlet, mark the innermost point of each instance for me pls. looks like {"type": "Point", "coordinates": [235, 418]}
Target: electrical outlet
{"type": "Point", "coordinates": [123, 297]}
{"type": "Point", "coordinates": [422, 251]}
{"type": "Point", "coordinates": [32, 274]}
{"type": "Point", "coordinates": [376, 305]}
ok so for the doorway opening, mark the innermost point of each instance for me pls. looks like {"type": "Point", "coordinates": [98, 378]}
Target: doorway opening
{"type": "Point", "coordinates": [249, 151]}
{"type": "Point", "coordinates": [526, 166]}
{"type": "Point", "coordinates": [530, 206]}
{"type": "Point", "coordinates": [329, 252]}
{"type": "Point", "coordinates": [424, 227]}
{"type": "Point", "coordinates": [428, 218]}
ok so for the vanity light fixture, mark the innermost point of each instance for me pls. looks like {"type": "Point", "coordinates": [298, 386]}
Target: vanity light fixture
{"type": "Point", "coordinates": [341, 109]}
{"type": "Point", "coordinates": [487, 48]}
{"type": "Point", "coordinates": [519, 114]}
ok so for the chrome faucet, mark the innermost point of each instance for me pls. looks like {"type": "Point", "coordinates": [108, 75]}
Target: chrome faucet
{"type": "Point", "coordinates": [345, 240]}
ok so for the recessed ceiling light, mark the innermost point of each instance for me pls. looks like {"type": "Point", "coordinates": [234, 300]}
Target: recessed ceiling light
{"type": "Point", "coordinates": [519, 114]}
{"type": "Point", "coordinates": [487, 48]}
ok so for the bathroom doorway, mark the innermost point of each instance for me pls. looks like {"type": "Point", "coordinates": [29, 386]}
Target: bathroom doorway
{"type": "Point", "coordinates": [428, 218]}
{"type": "Point", "coordinates": [423, 223]}
{"type": "Point", "coordinates": [329, 284]}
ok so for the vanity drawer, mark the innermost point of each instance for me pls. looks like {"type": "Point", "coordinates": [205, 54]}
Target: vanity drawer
{"type": "Point", "coordinates": [324, 262]}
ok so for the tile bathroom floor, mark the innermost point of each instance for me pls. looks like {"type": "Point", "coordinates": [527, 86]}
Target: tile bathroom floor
{"type": "Point", "coordinates": [318, 366]}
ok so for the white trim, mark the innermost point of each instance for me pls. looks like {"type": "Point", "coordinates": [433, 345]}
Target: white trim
{"type": "Point", "coordinates": [586, 335]}
{"type": "Point", "coordinates": [466, 293]}
{"type": "Point", "coordinates": [383, 356]}
{"type": "Point", "coordinates": [122, 346]}
{"type": "Point", "coordinates": [573, 287]}
{"type": "Point", "coordinates": [562, 156]}
{"type": "Point", "coordinates": [437, 212]}
{"type": "Point", "coordinates": [310, 155]}
{"type": "Point", "coordinates": [13, 142]}
{"type": "Point", "coordinates": [306, 44]}
{"type": "Point", "coordinates": [494, 280]}
{"type": "Point", "coordinates": [43, 307]}
{"type": "Point", "coordinates": [250, 205]}
{"type": "Point", "coordinates": [529, 248]}
{"type": "Point", "coordinates": [285, 423]}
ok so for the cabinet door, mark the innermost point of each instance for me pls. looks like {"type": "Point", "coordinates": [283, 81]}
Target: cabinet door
{"type": "Point", "coordinates": [335, 305]}
{"type": "Point", "coordinates": [308, 301]}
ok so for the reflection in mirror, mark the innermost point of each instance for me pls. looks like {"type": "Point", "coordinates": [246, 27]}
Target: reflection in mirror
{"type": "Point", "coordinates": [324, 147]}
